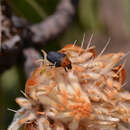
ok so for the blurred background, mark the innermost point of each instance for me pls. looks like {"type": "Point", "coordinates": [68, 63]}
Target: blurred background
{"type": "Point", "coordinates": [106, 18]}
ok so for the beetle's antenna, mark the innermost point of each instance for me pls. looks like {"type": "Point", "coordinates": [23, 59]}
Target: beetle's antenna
{"type": "Point", "coordinates": [90, 40]}
{"type": "Point", "coordinates": [83, 40]}
{"type": "Point", "coordinates": [74, 43]}
{"type": "Point", "coordinates": [105, 47]}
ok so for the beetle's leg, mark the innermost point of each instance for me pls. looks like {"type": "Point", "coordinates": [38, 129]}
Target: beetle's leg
{"type": "Point", "coordinates": [51, 65]}
{"type": "Point", "coordinates": [65, 69]}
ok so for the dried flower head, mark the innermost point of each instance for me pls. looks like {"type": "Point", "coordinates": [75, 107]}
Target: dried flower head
{"type": "Point", "coordinates": [87, 97]}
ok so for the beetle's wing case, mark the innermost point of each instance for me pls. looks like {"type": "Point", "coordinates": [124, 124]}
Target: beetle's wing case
{"type": "Point", "coordinates": [55, 58]}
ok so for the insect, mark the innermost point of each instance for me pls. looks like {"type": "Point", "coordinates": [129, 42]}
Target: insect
{"type": "Point", "coordinates": [59, 60]}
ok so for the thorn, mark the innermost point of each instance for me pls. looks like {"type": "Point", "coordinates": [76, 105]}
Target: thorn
{"type": "Point", "coordinates": [9, 109]}
{"type": "Point", "coordinates": [83, 40]}
{"type": "Point", "coordinates": [74, 43]}
{"type": "Point", "coordinates": [44, 53]}
{"type": "Point", "coordinates": [39, 61]}
{"type": "Point", "coordinates": [125, 55]}
{"type": "Point", "coordinates": [23, 93]}
{"type": "Point", "coordinates": [105, 47]}
{"type": "Point", "coordinates": [89, 42]}
{"type": "Point", "coordinates": [124, 84]}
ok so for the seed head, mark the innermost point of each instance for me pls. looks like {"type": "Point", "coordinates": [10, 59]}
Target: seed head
{"type": "Point", "coordinates": [89, 96]}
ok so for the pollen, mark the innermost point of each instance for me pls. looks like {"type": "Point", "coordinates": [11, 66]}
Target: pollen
{"type": "Point", "coordinates": [80, 111]}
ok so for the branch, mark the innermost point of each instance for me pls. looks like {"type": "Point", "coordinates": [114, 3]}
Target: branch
{"type": "Point", "coordinates": [17, 34]}
{"type": "Point", "coordinates": [56, 23]}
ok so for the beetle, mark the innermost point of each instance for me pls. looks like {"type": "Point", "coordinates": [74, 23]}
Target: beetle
{"type": "Point", "coordinates": [59, 60]}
